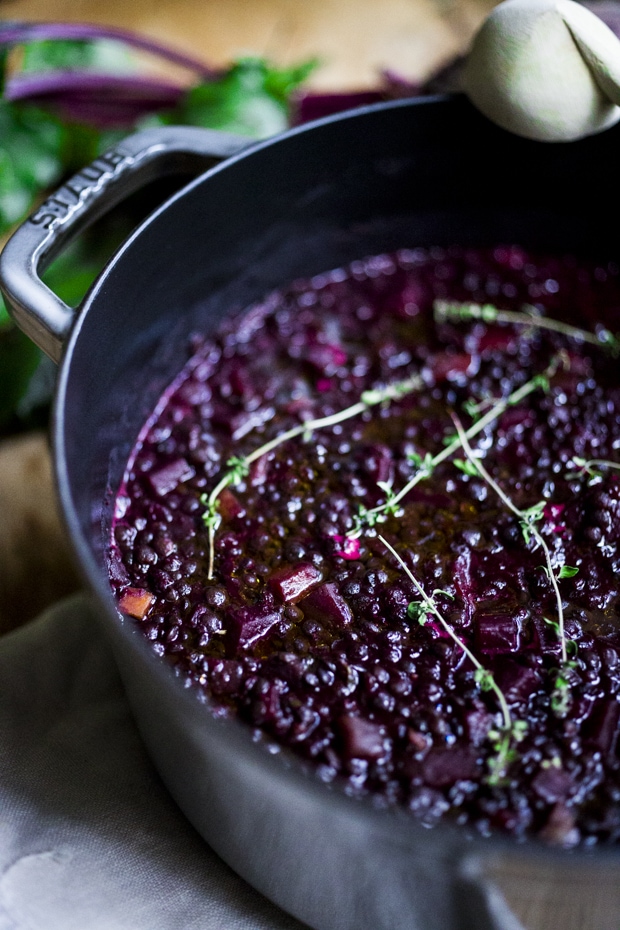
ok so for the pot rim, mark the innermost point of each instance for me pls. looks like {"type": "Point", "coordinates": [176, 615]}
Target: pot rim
{"type": "Point", "coordinates": [283, 764]}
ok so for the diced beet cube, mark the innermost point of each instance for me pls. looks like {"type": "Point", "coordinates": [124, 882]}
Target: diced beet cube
{"type": "Point", "coordinates": [515, 416]}
{"type": "Point", "coordinates": [239, 424]}
{"type": "Point", "coordinates": [362, 739]}
{"type": "Point", "coordinates": [552, 784]}
{"type": "Point", "coordinates": [349, 547]}
{"type": "Point", "coordinates": [444, 766]}
{"type": "Point", "coordinates": [135, 602]}
{"type": "Point", "coordinates": [446, 366]}
{"type": "Point", "coordinates": [292, 582]}
{"type": "Point", "coordinates": [326, 603]}
{"type": "Point", "coordinates": [602, 725]}
{"type": "Point", "coordinates": [553, 512]}
{"type": "Point", "coordinates": [259, 470]}
{"type": "Point", "coordinates": [497, 633]}
{"type": "Point", "coordinates": [546, 637]}
{"type": "Point", "coordinates": [495, 340]}
{"type": "Point", "coordinates": [478, 722]}
{"type": "Point", "coordinates": [234, 586]}
{"type": "Point", "coordinates": [247, 420]}
{"type": "Point", "coordinates": [517, 682]}
{"type": "Point", "coordinates": [379, 462]}
{"type": "Point", "coordinates": [464, 580]}
{"type": "Point", "coordinates": [229, 505]}
{"type": "Point", "coordinates": [167, 478]}
{"type": "Point", "coordinates": [241, 382]}
{"type": "Point", "coordinates": [418, 740]}
{"type": "Point", "coordinates": [246, 625]}
{"type": "Point", "coordinates": [116, 569]}
{"type": "Point", "coordinates": [560, 829]}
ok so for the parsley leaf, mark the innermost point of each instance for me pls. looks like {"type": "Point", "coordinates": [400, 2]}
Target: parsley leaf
{"type": "Point", "coordinates": [73, 54]}
{"type": "Point", "coordinates": [30, 158]}
{"type": "Point", "coordinates": [251, 98]}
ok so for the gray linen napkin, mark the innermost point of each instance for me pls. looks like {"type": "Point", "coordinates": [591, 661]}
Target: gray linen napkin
{"type": "Point", "coordinates": [89, 837]}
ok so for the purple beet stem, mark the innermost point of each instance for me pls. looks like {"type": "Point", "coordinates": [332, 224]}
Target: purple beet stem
{"type": "Point", "coordinates": [18, 33]}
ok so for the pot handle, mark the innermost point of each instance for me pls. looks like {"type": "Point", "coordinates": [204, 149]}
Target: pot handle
{"type": "Point", "coordinates": [113, 176]}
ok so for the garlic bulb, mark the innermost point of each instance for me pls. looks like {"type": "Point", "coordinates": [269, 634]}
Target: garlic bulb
{"type": "Point", "coordinates": [545, 69]}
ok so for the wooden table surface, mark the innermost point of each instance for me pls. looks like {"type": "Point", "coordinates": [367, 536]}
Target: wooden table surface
{"type": "Point", "coordinates": [354, 40]}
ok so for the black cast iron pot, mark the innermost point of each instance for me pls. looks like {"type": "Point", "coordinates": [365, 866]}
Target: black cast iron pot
{"type": "Point", "coordinates": [401, 174]}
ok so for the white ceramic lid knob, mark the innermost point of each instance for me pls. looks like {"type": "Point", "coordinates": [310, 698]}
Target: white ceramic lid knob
{"type": "Point", "coordinates": [545, 69]}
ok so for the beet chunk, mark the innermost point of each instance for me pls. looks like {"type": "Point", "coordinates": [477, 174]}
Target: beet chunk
{"type": "Point", "coordinates": [117, 571]}
{"type": "Point", "coordinates": [560, 829]}
{"type": "Point", "coordinates": [447, 365]}
{"type": "Point", "coordinates": [552, 784]}
{"type": "Point", "coordinates": [168, 477]}
{"type": "Point", "coordinates": [517, 682]}
{"type": "Point", "coordinates": [230, 506]}
{"type": "Point", "coordinates": [443, 766]}
{"type": "Point", "coordinates": [325, 358]}
{"type": "Point", "coordinates": [326, 603]}
{"type": "Point", "coordinates": [379, 461]}
{"type": "Point", "coordinates": [497, 633]}
{"type": "Point", "coordinates": [292, 582]}
{"type": "Point", "coordinates": [601, 727]}
{"type": "Point", "coordinates": [362, 739]}
{"type": "Point", "coordinates": [246, 625]}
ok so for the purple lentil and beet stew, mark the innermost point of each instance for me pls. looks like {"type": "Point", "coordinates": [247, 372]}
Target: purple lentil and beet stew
{"type": "Point", "coordinates": [378, 518]}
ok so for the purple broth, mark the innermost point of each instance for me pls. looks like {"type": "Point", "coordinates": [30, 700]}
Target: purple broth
{"type": "Point", "coordinates": [304, 634]}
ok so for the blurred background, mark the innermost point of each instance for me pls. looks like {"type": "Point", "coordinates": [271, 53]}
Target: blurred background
{"type": "Point", "coordinates": [355, 39]}
{"type": "Point", "coordinates": [253, 66]}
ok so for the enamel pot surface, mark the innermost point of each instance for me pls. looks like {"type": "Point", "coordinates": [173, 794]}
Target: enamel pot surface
{"type": "Point", "coordinates": [402, 174]}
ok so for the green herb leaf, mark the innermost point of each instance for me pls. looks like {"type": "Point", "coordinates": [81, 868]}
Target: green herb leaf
{"type": "Point", "coordinates": [30, 159]}
{"type": "Point", "coordinates": [567, 571]}
{"type": "Point", "coordinates": [252, 98]}
{"type": "Point", "coordinates": [555, 626]}
{"type": "Point", "coordinates": [238, 469]}
{"type": "Point", "coordinates": [467, 467]}
{"type": "Point", "coordinates": [422, 463]}
{"type": "Point", "coordinates": [471, 408]}
{"type": "Point", "coordinates": [417, 612]}
{"type": "Point", "coordinates": [484, 678]}
{"type": "Point", "coordinates": [390, 506]}
{"type": "Point", "coordinates": [530, 517]}
{"type": "Point", "coordinates": [561, 700]}
{"type": "Point", "coordinates": [210, 517]}
{"type": "Point", "coordinates": [74, 54]}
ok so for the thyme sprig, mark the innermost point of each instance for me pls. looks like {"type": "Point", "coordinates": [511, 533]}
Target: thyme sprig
{"type": "Point", "coordinates": [511, 731]}
{"type": "Point", "coordinates": [528, 520]}
{"type": "Point", "coordinates": [237, 467]}
{"type": "Point", "coordinates": [488, 313]}
{"type": "Point", "coordinates": [426, 465]}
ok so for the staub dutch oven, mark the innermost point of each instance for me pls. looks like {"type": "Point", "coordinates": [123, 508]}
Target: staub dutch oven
{"type": "Point", "coordinates": [407, 173]}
